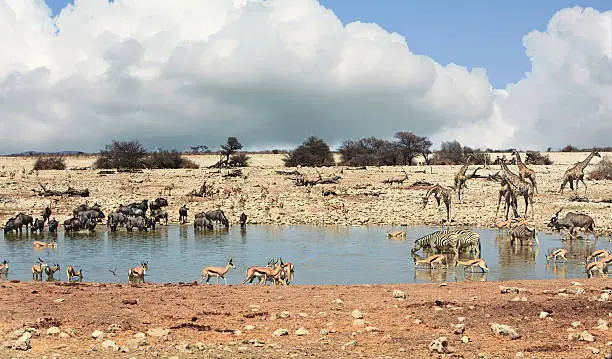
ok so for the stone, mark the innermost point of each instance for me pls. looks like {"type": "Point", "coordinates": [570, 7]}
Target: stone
{"type": "Point", "coordinates": [576, 324]}
{"type": "Point", "coordinates": [608, 355]}
{"type": "Point", "coordinates": [280, 332]}
{"type": "Point", "coordinates": [137, 342]}
{"type": "Point", "coordinates": [417, 321]}
{"type": "Point", "coordinates": [113, 328]}
{"type": "Point", "coordinates": [324, 332]}
{"type": "Point", "coordinates": [576, 283]}
{"type": "Point", "coordinates": [337, 301]}
{"type": "Point", "coordinates": [439, 345]}
{"type": "Point", "coordinates": [284, 314]}
{"type": "Point", "coordinates": [465, 339]}
{"type": "Point", "coordinates": [303, 315]}
{"type": "Point", "coordinates": [109, 344]}
{"type": "Point", "coordinates": [580, 291]}
{"type": "Point", "coordinates": [23, 343]}
{"type": "Point", "coordinates": [602, 325]}
{"type": "Point", "coordinates": [501, 329]}
{"type": "Point", "coordinates": [59, 300]}
{"type": "Point", "coordinates": [64, 335]}
{"type": "Point", "coordinates": [139, 335]}
{"type": "Point", "coordinates": [461, 319]}
{"type": "Point", "coordinates": [53, 331]}
{"type": "Point", "coordinates": [593, 350]}
{"type": "Point", "coordinates": [585, 336]}
{"type": "Point", "coordinates": [398, 294]}
{"type": "Point", "coordinates": [97, 334]}
{"type": "Point", "coordinates": [357, 314]}
{"type": "Point", "coordinates": [505, 290]}
{"type": "Point", "coordinates": [458, 328]}
{"type": "Point", "coordinates": [604, 297]}
{"type": "Point", "coordinates": [519, 355]}
{"type": "Point", "coordinates": [249, 327]}
{"type": "Point", "coordinates": [158, 332]}
{"type": "Point", "coordinates": [352, 343]}
{"type": "Point", "coordinates": [544, 315]}
{"type": "Point", "coordinates": [301, 331]}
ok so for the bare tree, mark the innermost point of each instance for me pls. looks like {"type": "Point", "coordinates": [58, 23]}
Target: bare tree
{"type": "Point", "coordinates": [412, 146]}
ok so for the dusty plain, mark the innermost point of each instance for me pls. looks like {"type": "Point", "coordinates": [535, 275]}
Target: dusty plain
{"type": "Point", "coordinates": [239, 321]}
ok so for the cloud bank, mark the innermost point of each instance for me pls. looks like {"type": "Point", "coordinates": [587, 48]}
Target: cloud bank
{"type": "Point", "coordinates": [273, 72]}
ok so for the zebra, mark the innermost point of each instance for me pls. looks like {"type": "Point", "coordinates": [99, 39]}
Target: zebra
{"type": "Point", "coordinates": [468, 240]}
{"type": "Point", "coordinates": [523, 232]}
{"type": "Point", "coordinates": [439, 241]}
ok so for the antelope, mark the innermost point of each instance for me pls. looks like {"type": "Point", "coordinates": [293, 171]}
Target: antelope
{"type": "Point", "coordinates": [599, 266]}
{"type": "Point", "coordinates": [481, 263]}
{"type": "Point", "coordinates": [218, 272]}
{"type": "Point", "coordinates": [37, 269]}
{"type": "Point", "coordinates": [4, 267]}
{"type": "Point", "coordinates": [431, 260]}
{"type": "Point", "coordinates": [397, 234]}
{"type": "Point", "coordinates": [561, 252]}
{"type": "Point", "coordinates": [71, 273]}
{"type": "Point", "coordinates": [50, 271]}
{"type": "Point", "coordinates": [138, 272]}
{"type": "Point", "coordinates": [264, 273]}
{"type": "Point", "coordinates": [39, 244]}
{"type": "Point", "coordinates": [597, 254]}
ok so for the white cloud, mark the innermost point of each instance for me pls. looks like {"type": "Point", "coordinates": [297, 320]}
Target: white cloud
{"type": "Point", "coordinates": [276, 71]}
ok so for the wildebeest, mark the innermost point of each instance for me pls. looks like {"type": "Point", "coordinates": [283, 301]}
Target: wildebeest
{"type": "Point", "coordinates": [25, 220]}
{"type": "Point", "coordinates": [53, 224]}
{"type": "Point", "coordinates": [574, 220]}
{"type": "Point", "coordinates": [157, 204]}
{"type": "Point", "coordinates": [243, 219]}
{"type": "Point", "coordinates": [94, 215]}
{"type": "Point", "coordinates": [201, 222]}
{"type": "Point", "coordinates": [38, 225]}
{"type": "Point", "coordinates": [144, 205]}
{"type": "Point", "coordinates": [115, 219]}
{"type": "Point", "coordinates": [183, 214]}
{"type": "Point", "coordinates": [216, 215]}
{"type": "Point", "coordinates": [46, 214]}
{"type": "Point", "coordinates": [136, 222]}
{"type": "Point", "coordinates": [158, 215]}
{"type": "Point", "coordinates": [73, 225]}
{"type": "Point", "coordinates": [10, 225]}
{"type": "Point", "coordinates": [85, 207]}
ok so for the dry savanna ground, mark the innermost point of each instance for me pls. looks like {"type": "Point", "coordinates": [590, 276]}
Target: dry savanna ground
{"type": "Point", "coordinates": [359, 198]}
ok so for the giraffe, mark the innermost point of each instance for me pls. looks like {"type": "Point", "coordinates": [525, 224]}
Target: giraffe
{"type": "Point", "coordinates": [461, 178]}
{"type": "Point", "coordinates": [518, 186]}
{"type": "Point", "coordinates": [524, 171]}
{"type": "Point", "coordinates": [440, 193]}
{"type": "Point", "coordinates": [576, 173]}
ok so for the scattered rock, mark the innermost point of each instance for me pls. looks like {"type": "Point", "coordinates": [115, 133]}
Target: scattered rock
{"type": "Point", "coordinates": [602, 325]}
{"type": "Point", "coordinates": [59, 300]}
{"type": "Point", "coordinates": [249, 327]}
{"type": "Point", "coordinates": [398, 294]}
{"type": "Point", "coordinates": [576, 324]}
{"type": "Point", "coordinates": [158, 332]}
{"type": "Point", "coordinates": [579, 290]}
{"type": "Point", "coordinates": [593, 350]}
{"type": "Point", "coordinates": [301, 331]}
{"type": "Point", "coordinates": [359, 322]}
{"type": "Point", "coordinates": [443, 284]}
{"type": "Point", "coordinates": [608, 355]}
{"type": "Point", "coordinates": [97, 334]}
{"type": "Point", "coordinates": [357, 314]}
{"type": "Point", "coordinates": [23, 343]}
{"type": "Point", "coordinates": [465, 339]}
{"type": "Point", "coordinates": [280, 332]}
{"type": "Point", "coordinates": [113, 328]}
{"type": "Point", "coordinates": [324, 332]}
{"type": "Point", "coordinates": [544, 315]}
{"type": "Point", "coordinates": [458, 328]}
{"type": "Point", "coordinates": [352, 343]}
{"type": "Point", "coordinates": [439, 345]}
{"type": "Point", "coordinates": [64, 335]}
{"type": "Point", "coordinates": [53, 331]}
{"type": "Point", "coordinates": [303, 315]}
{"type": "Point", "coordinates": [337, 301]}
{"type": "Point", "coordinates": [576, 283]}
{"type": "Point", "coordinates": [501, 329]}
{"type": "Point", "coordinates": [604, 297]}
{"type": "Point", "coordinates": [461, 319]}
{"type": "Point", "coordinates": [417, 321]}
{"type": "Point", "coordinates": [505, 290]}
{"type": "Point", "coordinates": [109, 344]}
{"type": "Point", "coordinates": [585, 336]}
{"type": "Point", "coordinates": [284, 314]}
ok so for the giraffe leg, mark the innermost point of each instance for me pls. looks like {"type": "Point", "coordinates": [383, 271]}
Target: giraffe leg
{"type": "Point", "coordinates": [585, 186]}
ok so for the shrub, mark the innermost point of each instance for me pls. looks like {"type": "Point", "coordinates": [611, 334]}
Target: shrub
{"type": "Point", "coordinates": [603, 170]}
{"type": "Point", "coordinates": [450, 153]}
{"type": "Point", "coordinates": [570, 148]}
{"type": "Point", "coordinates": [167, 159]}
{"type": "Point", "coordinates": [122, 154]}
{"type": "Point", "coordinates": [239, 160]}
{"type": "Point", "coordinates": [536, 158]}
{"type": "Point", "coordinates": [312, 152]}
{"type": "Point", "coordinates": [50, 163]}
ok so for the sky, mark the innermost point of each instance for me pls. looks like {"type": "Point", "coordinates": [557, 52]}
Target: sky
{"type": "Point", "coordinates": [178, 73]}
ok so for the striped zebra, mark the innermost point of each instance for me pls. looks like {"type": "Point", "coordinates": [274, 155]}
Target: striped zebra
{"type": "Point", "coordinates": [468, 240]}
{"type": "Point", "coordinates": [522, 233]}
{"type": "Point", "coordinates": [440, 241]}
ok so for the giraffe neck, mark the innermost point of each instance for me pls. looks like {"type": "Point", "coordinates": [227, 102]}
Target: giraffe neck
{"type": "Point", "coordinates": [586, 161]}
{"type": "Point", "coordinates": [519, 162]}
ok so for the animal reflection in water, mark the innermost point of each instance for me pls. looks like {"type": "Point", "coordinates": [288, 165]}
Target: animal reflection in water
{"type": "Point", "coordinates": [435, 268]}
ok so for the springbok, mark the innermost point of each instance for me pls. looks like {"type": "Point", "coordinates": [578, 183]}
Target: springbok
{"type": "Point", "coordinates": [561, 252]}
{"type": "Point", "coordinates": [218, 272]}
{"type": "Point", "coordinates": [597, 254]}
{"type": "Point", "coordinates": [37, 269]}
{"type": "Point", "coordinates": [481, 263]}
{"type": "Point", "coordinates": [39, 244]}
{"type": "Point", "coordinates": [264, 273]}
{"type": "Point", "coordinates": [4, 267]}
{"type": "Point", "coordinates": [599, 266]}
{"type": "Point", "coordinates": [396, 235]}
{"type": "Point", "coordinates": [431, 260]}
{"type": "Point", "coordinates": [50, 271]}
{"type": "Point", "coordinates": [71, 273]}
{"type": "Point", "coordinates": [138, 272]}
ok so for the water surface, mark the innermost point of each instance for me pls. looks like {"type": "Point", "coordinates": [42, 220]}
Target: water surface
{"type": "Point", "coordinates": [321, 254]}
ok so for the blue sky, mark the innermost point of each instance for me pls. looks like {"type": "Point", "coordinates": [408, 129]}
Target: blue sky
{"type": "Point", "coordinates": [472, 33]}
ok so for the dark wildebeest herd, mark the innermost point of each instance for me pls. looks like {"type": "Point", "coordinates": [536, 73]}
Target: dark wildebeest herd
{"type": "Point", "coordinates": [140, 216]}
